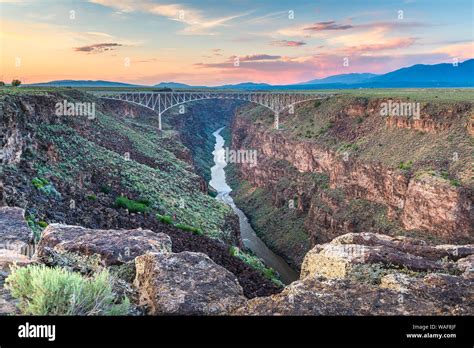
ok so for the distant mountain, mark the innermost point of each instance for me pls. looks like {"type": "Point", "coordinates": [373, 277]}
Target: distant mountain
{"type": "Point", "coordinates": [243, 85]}
{"type": "Point", "coordinates": [83, 83]}
{"type": "Point", "coordinates": [420, 75]}
{"type": "Point", "coordinates": [438, 74]}
{"type": "Point", "coordinates": [173, 85]}
{"type": "Point", "coordinates": [246, 85]}
{"type": "Point", "coordinates": [341, 78]}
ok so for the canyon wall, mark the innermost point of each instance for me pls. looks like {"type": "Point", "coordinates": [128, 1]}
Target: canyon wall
{"type": "Point", "coordinates": [407, 201]}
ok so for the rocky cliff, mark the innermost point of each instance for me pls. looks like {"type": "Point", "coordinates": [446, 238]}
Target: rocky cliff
{"type": "Point", "coordinates": [339, 166]}
{"type": "Point", "coordinates": [115, 171]}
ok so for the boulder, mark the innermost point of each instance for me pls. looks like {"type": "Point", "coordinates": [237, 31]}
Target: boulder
{"type": "Point", "coordinates": [111, 247]}
{"type": "Point", "coordinates": [15, 247]}
{"type": "Point", "coordinates": [186, 283]}
{"type": "Point", "coordinates": [8, 305]}
{"type": "Point", "coordinates": [11, 257]}
{"type": "Point", "coordinates": [397, 281]}
{"type": "Point", "coordinates": [337, 261]}
{"type": "Point", "coordinates": [15, 234]}
{"type": "Point", "coordinates": [435, 294]}
{"type": "Point", "coordinates": [338, 258]}
{"type": "Point", "coordinates": [466, 265]}
{"type": "Point", "coordinates": [409, 245]}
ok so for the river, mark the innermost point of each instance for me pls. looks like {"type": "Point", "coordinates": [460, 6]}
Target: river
{"type": "Point", "coordinates": [249, 237]}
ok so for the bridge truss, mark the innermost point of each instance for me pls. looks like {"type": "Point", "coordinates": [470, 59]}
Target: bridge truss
{"type": "Point", "coordinates": [163, 101]}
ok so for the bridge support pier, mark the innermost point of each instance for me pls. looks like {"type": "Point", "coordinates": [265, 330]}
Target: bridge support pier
{"type": "Point", "coordinates": [276, 122]}
{"type": "Point", "coordinates": [159, 121]}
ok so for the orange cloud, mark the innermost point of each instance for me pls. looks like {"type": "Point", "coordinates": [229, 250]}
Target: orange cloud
{"type": "Point", "coordinates": [463, 50]}
{"type": "Point", "coordinates": [98, 48]}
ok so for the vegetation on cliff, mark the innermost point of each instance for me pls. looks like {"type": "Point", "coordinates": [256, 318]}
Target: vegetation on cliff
{"type": "Point", "coordinates": [379, 170]}
{"type": "Point", "coordinates": [113, 171]}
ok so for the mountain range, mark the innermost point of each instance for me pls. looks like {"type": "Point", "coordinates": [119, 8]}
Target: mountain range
{"type": "Point", "coordinates": [341, 78]}
{"type": "Point", "coordinates": [83, 83]}
{"type": "Point", "coordinates": [420, 75]}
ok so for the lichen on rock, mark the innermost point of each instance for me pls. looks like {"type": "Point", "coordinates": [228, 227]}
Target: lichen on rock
{"type": "Point", "coordinates": [186, 283]}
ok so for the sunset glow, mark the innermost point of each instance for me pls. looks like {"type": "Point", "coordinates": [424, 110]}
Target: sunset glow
{"type": "Point", "coordinates": [198, 42]}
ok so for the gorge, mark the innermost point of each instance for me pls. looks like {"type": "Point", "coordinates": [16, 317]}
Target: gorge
{"type": "Point", "coordinates": [359, 203]}
{"type": "Point", "coordinates": [250, 239]}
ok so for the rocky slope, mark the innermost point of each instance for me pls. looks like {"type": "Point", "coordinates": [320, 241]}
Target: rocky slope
{"type": "Point", "coordinates": [73, 170]}
{"type": "Point", "coordinates": [109, 153]}
{"type": "Point", "coordinates": [338, 166]}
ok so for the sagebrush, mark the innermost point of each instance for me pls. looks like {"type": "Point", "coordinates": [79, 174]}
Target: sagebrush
{"type": "Point", "coordinates": [43, 290]}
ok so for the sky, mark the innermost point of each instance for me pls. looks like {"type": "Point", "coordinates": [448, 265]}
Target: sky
{"type": "Point", "coordinates": [215, 42]}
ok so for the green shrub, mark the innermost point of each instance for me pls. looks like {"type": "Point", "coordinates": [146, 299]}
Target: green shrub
{"type": "Point", "coordinates": [43, 224]}
{"type": "Point", "coordinates": [445, 175]}
{"type": "Point", "coordinates": [36, 226]}
{"type": "Point", "coordinates": [321, 180]}
{"type": "Point", "coordinates": [131, 205]}
{"type": "Point", "coordinates": [164, 218]}
{"type": "Point", "coordinates": [39, 182]}
{"type": "Point", "coordinates": [105, 189]}
{"type": "Point", "coordinates": [455, 182]}
{"type": "Point", "coordinates": [45, 187]}
{"type": "Point", "coordinates": [325, 128]}
{"type": "Point", "coordinates": [56, 291]}
{"type": "Point", "coordinates": [257, 264]}
{"type": "Point", "coordinates": [405, 165]}
{"type": "Point", "coordinates": [188, 228]}
{"type": "Point", "coordinates": [144, 201]}
{"type": "Point", "coordinates": [91, 197]}
{"type": "Point", "coordinates": [348, 146]}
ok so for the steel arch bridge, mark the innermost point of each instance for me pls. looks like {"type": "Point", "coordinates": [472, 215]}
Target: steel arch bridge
{"type": "Point", "coordinates": [163, 101]}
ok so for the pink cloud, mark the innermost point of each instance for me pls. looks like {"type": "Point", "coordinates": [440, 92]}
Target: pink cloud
{"type": "Point", "coordinates": [256, 57]}
{"type": "Point", "coordinates": [461, 50]}
{"type": "Point", "coordinates": [293, 70]}
{"type": "Point", "coordinates": [287, 43]}
{"type": "Point", "coordinates": [389, 44]}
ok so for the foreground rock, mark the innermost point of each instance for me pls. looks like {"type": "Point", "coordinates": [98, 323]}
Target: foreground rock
{"type": "Point", "coordinates": [374, 274]}
{"type": "Point", "coordinates": [466, 265]}
{"type": "Point", "coordinates": [186, 283]}
{"type": "Point", "coordinates": [14, 232]}
{"type": "Point", "coordinates": [435, 294]}
{"type": "Point", "coordinates": [112, 247]}
{"type": "Point", "coordinates": [341, 257]}
{"type": "Point", "coordinates": [15, 246]}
